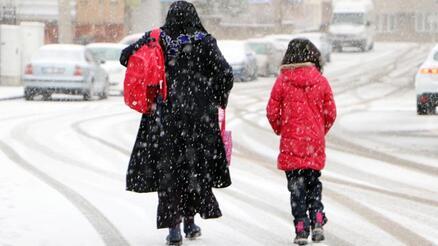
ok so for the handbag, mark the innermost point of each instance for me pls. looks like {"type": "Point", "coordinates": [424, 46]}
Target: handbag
{"type": "Point", "coordinates": [226, 135]}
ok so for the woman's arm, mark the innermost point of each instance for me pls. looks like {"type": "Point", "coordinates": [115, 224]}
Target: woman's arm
{"type": "Point", "coordinates": [220, 72]}
{"type": "Point", "coordinates": [329, 108]}
{"type": "Point", "coordinates": [273, 110]}
{"type": "Point", "coordinates": [131, 49]}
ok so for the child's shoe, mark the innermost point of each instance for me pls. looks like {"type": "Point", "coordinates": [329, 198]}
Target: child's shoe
{"type": "Point", "coordinates": [174, 237]}
{"type": "Point", "coordinates": [317, 227]}
{"type": "Point", "coordinates": [191, 230]}
{"type": "Point", "coordinates": [302, 233]}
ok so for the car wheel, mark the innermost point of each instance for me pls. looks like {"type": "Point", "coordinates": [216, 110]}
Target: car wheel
{"type": "Point", "coordinates": [87, 96]}
{"type": "Point", "coordinates": [425, 109]}
{"type": "Point", "coordinates": [28, 94]}
{"type": "Point", "coordinates": [254, 75]}
{"type": "Point", "coordinates": [90, 93]}
{"type": "Point", "coordinates": [46, 96]}
{"type": "Point", "coordinates": [105, 92]}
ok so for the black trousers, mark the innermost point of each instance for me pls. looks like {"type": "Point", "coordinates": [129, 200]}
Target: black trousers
{"type": "Point", "coordinates": [305, 195]}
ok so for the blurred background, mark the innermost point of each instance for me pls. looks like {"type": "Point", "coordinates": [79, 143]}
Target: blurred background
{"type": "Point", "coordinates": [40, 22]}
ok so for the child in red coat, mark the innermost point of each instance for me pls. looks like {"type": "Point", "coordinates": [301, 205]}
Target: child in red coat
{"type": "Point", "coordinates": [302, 110]}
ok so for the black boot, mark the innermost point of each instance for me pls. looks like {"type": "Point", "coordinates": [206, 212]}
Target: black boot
{"type": "Point", "coordinates": [302, 233]}
{"type": "Point", "coordinates": [191, 230]}
{"type": "Point", "coordinates": [174, 237]}
{"type": "Point", "coordinates": [317, 227]}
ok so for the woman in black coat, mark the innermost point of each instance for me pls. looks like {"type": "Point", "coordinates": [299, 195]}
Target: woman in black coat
{"type": "Point", "coordinates": [179, 150]}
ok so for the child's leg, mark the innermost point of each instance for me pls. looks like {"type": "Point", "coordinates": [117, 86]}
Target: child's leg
{"type": "Point", "coordinates": [297, 187]}
{"type": "Point", "coordinates": [314, 203]}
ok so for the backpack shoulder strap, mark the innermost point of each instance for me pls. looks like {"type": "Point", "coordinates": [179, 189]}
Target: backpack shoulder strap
{"type": "Point", "coordinates": [155, 34]}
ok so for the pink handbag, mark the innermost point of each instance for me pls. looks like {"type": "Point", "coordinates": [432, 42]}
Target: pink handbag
{"type": "Point", "coordinates": [226, 135]}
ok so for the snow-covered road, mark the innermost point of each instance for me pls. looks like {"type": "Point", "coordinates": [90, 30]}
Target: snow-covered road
{"type": "Point", "coordinates": [63, 166]}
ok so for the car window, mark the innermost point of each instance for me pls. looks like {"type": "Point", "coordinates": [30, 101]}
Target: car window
{"type": "Point", "coordinates": [258, 48]}
{"type": "Point", "coordinates": [57, 54]}
{"type": "Point", "coordinates": [106, 54]}
{"type": "Point", "coordinates": [347, 18]}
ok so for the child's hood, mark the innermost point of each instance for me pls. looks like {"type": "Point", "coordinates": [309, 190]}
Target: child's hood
{"type": "Point", "coordinates": [301, 74]}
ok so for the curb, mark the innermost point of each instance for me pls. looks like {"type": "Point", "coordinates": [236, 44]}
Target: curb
{"type": "Point", "coordinates": [11, 98]}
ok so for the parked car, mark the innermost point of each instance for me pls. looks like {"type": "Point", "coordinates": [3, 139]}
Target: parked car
{"type": "Point", "coordinates": [426, 84]}
{"type": "Point", "coordinates": [110, 54]}
{"type": "Point", "coordinates": [67, 69]}
{"type": "Point", "coordinates": [268, 55]}
{"type": "Point", "coordinates": [241, 58]}
{"type": "Point", "coordinates": [319, 39]}
{"type": "Point", "coordinates": [130, 39]}
{"type": "Point", "coordinates": [281, 41]}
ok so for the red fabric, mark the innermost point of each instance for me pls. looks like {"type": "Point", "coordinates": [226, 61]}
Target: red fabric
{"type": "Point", "coordinates": [301, 110]}
{"type": "Point", "coordinates": [145, 76]}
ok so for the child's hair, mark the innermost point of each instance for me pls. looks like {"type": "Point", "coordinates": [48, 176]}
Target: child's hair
{"type": "Point", "coordinates": [301, 50]}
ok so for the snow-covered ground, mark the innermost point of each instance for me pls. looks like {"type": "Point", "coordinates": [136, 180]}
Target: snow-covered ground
{"type": "Point", "coordinates": [11, 92]}
{"type": "Point", "coordinates": [63, 165]}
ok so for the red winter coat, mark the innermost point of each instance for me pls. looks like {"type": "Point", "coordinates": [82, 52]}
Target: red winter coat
{"type": "Point", "coordinates": [301, 110]}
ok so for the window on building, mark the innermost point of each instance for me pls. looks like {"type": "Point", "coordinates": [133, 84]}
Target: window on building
{"type": "Point", "coordinates": [426, 22]}
{"type": "Point", "coordinates": [386, 23]}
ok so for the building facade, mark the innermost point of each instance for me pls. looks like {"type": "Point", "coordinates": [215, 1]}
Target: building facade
{"type": "Point", "coordinates": [99, 21]}
{"type": "Point", "coordinates": [91, 20]}
{"type": "Point", "coordinates": [407, 20]}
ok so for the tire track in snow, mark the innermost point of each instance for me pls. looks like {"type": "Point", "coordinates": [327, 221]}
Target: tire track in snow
{"type": "Point", "coordinates": [263, 206]}
{"type": "Point", "coordinates": [384, 223]}
{"type": "Point", "coordinates": [106, 230]}
{"type": "Point", "coordinates": [77, 128]}
{"type": "Point", "coordinates": [341, 144]}
{"type": "Point", "coordinates": [345, 148]}
{"type": "Point", "coordinates": [20, 132]}
{"type": "Point", "coordinates": [364, 151]}
{"type": "Point", "coordinates": [106, 142]}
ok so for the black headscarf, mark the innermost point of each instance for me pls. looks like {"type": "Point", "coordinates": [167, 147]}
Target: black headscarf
{"type": "Point", "coordinates": [182, 18]}
{"type": "Point", "coordinates": [301, 50]}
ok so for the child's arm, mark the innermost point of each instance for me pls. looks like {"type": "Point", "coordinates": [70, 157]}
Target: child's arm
{"type": "Point", "coordinates": [329, 108]}
{"type": "Point", "coordinates": [273, 109]}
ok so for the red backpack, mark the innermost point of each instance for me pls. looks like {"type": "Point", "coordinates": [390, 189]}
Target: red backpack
{"type": "Point", "coordinates": [145, 76]}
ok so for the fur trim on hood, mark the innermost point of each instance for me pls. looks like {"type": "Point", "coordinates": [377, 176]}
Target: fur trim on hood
{"type": "Point", "coordinates": [296, 65]}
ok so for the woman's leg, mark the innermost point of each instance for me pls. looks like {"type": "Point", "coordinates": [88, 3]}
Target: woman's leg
{"type": "Point", "coordinates": [314, 196]}
{"type": "Point", "coordinates": [297, 188]}
{"type": "Point", "coordinates": [315, 206]}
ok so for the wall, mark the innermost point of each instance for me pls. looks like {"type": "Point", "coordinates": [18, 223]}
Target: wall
{"type": "Point", "coordinates": [99, 21]}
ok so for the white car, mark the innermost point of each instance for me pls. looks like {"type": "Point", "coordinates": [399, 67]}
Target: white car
{"type": "Point", "coordinates": [426, 84]}
{"type": "Point", "coordinates": [321, 41]}
{"type": "Point", "coordinates": [353, 25]}
{"type": "Point", "coordinates": [109, 54]}
{"type": "Point", "coordinates": [268, 55]}
{"type": "Point", "coordinates": [241, 58]}
{"type": "Point", "coordinates": [66, 69]}
{"type": "Point", "coordinates": [130, 39]}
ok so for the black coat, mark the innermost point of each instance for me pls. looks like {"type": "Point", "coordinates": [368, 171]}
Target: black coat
{"type": "Point", "coordinates": [180, 144]}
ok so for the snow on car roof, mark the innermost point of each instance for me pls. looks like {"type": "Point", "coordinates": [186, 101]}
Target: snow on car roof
{"type": "Point", "coordinates": [72, 47]}
{"type": "Point", "coordinates": [106, 45]}
{"type": "Point", "coordinates": [131, 38]}
{"type": "Point", "coordinates": [260, 40]}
